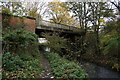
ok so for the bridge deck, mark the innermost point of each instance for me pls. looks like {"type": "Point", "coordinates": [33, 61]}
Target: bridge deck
{"type": "Point", "coordinates": [42, 24]}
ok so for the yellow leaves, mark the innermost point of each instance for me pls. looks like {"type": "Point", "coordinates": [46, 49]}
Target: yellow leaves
{"type": "Point", "coordinates": [5, 10]}
{"type": "Point", "coordinates": [101, 20]}
{"type": "Point", "coordinates": [60, 13]}
{"type": "Point", "coordinates": [116, 66]}
{"type": "Point", "coordinates": [58, 7]}
{"type": "Point", "coordinates": [33, 13]}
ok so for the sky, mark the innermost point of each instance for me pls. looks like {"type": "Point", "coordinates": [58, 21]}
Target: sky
{"type": "Point", "coordinates": [58, 0]}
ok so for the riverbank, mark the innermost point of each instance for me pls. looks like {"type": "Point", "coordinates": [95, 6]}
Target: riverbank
{"type": "Point", "coordinates": [95, 71]}
{"type": "Point", "coordinates": [103, 61]}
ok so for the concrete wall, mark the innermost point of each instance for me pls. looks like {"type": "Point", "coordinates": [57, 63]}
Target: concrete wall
{"type": "Point", "coordinates": [18, 22]}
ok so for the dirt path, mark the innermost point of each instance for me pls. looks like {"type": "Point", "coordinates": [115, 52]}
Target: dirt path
{"type": "Point", "coordinates": [45, 64]}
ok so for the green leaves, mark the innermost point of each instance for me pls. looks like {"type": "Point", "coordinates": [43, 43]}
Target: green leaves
{"type": "Point", "coordinates": [18, 68]}
{"type": "Point", "coordinates": [112, 45]}
{"type": "Point", "coordinates": [17, 39]}
{"type": "Point", "coordinates": [55, 42]}
{"type": "Point", "coordinates": [62, 68]}
{"type": "Point", "coordinates": [21, 57]}
{"type": "Point", "coordinates": [11, 62]}
{"type": "Point", "coordinates": [15, 66]}
{"type": "Point", "coordinates": [111, 39]}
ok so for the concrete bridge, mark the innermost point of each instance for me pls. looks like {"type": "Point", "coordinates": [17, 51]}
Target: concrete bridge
{"type": "Point", "coordinates": [46, 26]}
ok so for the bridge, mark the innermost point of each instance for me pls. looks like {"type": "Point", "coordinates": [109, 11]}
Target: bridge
{"type": "Point", "coordinates": [47, 26]}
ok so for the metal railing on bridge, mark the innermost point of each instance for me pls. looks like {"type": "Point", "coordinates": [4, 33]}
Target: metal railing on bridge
{"type": "Point", "coordinates": [49, 24]}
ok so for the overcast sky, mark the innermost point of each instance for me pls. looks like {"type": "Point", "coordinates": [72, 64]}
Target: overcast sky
{"type": "Point", "coordinates": [58, 0]}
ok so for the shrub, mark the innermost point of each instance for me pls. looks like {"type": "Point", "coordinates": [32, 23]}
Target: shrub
{"type": "Point", "coordinates": [62, 68]}
{"type": "Point", "coordinates": [21, 55]}
{"type": "Point", "coordinates": [19, 41]}
{"type": "Point", "coordinates": [15, 67]}
{"type": "Point", "coordinates": [112, 45]}
{"type": "Point", "coordinates": [11, 62]}
{"type": "Point", "coordinates": [64, 46]}
{"type": "Point", "coordinates": [55, 42]}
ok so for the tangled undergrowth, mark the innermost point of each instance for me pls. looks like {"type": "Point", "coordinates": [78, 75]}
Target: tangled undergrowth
{"type": "Point", "coordinates": [63, 68]}
{"type": "Point", "coordinates": [21, 56]}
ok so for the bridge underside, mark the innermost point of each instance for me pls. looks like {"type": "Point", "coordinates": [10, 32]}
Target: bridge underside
{"type": "Point", "coordinates": [62, 33]}
{"type": "Point", "coordinates": [65, 34]}
{"type": "Point", "coordinates": [63, 30]}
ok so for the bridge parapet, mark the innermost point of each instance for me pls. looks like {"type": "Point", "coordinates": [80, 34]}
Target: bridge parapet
{"type": "Point", "coordinates": [42, 24]}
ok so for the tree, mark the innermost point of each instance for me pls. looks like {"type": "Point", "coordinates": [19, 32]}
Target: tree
{"type": "Point", "coordinates": [91, 13]}
{"type": "Point", "coordinates": [55, 42]}
{"type": "Point", "coordinates": [14, 8]}
{"type": "Point", "coordinates": [35, 9]}
{"type": "Point", "coordinates": [60, 14]}
{"type": "Point", "coordinates": [34, 13]}
{"type": "Point", "coordinates": [99, 11]}
{"type": "Point", "coordinates": [110, 40]}
{"type": "Point", "coordinates": [81, 12]}
{"type": "Point", "coordinates": [116, 4]}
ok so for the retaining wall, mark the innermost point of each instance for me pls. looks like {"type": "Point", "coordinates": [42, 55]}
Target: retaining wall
{"type": "Point", "coordinates": [15, 22]}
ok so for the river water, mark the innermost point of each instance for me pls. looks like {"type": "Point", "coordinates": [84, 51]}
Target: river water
{"type": "Point", "coordinates": [95, 71]}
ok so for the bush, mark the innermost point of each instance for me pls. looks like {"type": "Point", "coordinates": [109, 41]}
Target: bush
{"type": "Point", "coordinates": [65, 46]}
{"type": "Point", "coordinates": [11, 62]}
{"type": "Point", "coordinates": [19, 41]}
{"type": "Point", "coordinates": [112, 45]}
{"type": "Point", "coordinates": [15, 67]}
{"type": "Point", "coordinates": [62, 68]}
{"type": "Point", "coordinates": [55, 42]}
{"type": "Point", "coordinates": [21, 57]}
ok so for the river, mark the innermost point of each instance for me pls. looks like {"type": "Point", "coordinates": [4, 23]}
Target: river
{"type": "Point", "coordinates": [95, 71]}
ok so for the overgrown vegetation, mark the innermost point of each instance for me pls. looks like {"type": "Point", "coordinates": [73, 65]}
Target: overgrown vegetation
{"type": "Point", "coordinates": [109, 46]}
{"type": "Point", "coordinates": [18, 41]}
{"type": "Point", "coordinates": [111, 38]}
{"type": "Point", "coordinates": [15, 67]}
{"type": "Point", "coordinates": [86, 49]}
{"type": "Point", "coordinates": [65, 46]}
{"type": "Point", "coordinates": [55, 42]}
{"type": "Point", "coordinates": [110, 43]}
{"type": "Point", "coordinates": [21, 57]}
{"type": "Point", "coordinates": [63, 68]}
